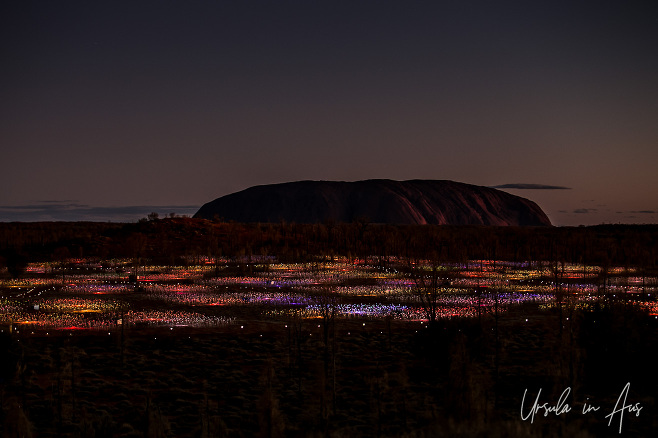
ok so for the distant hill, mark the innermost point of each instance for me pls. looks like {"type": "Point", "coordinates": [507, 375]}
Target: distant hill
{"type": "Point", "coordinates": [377, 201]}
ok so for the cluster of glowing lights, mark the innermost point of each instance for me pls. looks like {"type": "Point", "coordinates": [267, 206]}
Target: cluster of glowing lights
{"type": "Point", "coordinates": [95, 288]}
{"type": "Point", "coordinates": [76, 305]}
{"type": "Point", "coordinates": [195, 295]}
{"type": "Point", "coordinates": [50, 320]}
{"type": "Point", "coordinates": [171, 318]}
{"type": "Point", "coordinates": [376, 310]}
{"type": "Point", "coordinates": [88, 294]}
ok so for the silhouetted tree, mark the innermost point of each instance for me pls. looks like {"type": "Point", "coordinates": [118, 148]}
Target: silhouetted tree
{"type": "Point", "coordinates": [328, 304]}
{"type": "Point", "coordinates": [431, 280]}
{"type": "Point", "coordinates": [61, 255]}
{"type": "Point", "coordinates": [270, 418]}
{"type": "Point", "coordinates": [16, 263]}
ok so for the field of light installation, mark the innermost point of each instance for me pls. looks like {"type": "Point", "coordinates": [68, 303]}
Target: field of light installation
{"type": "Point", "coordinates": [252, 346]}
{"type": "Point", "coordinates": [92, 296]}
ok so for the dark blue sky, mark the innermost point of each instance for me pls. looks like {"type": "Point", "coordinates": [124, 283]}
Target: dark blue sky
{"type": "Point", "coordinates": [109, 108]}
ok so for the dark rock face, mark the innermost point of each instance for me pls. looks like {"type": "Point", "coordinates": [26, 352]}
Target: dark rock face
{"type": "Point", "coordinates": [378, 201]}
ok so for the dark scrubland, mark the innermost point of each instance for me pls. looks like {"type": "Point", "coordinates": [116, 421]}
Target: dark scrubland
{"type": "Point", "coordinates": [377, 380]}
{"type": "Point", "coordinates": [171, 240]}
{"type": "Point", "coordinates": [457, 377]}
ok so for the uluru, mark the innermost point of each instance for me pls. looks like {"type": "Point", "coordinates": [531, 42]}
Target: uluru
{"type": "Point", "coordinates": [387, 201]}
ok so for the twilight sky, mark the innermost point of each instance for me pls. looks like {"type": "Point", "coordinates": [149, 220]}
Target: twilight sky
{"type": "Point", "coordinates": [112, 109]}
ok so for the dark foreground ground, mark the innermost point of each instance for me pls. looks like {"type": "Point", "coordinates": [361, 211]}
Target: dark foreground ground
{"type": "Point", "coordinates": [294, 378]}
